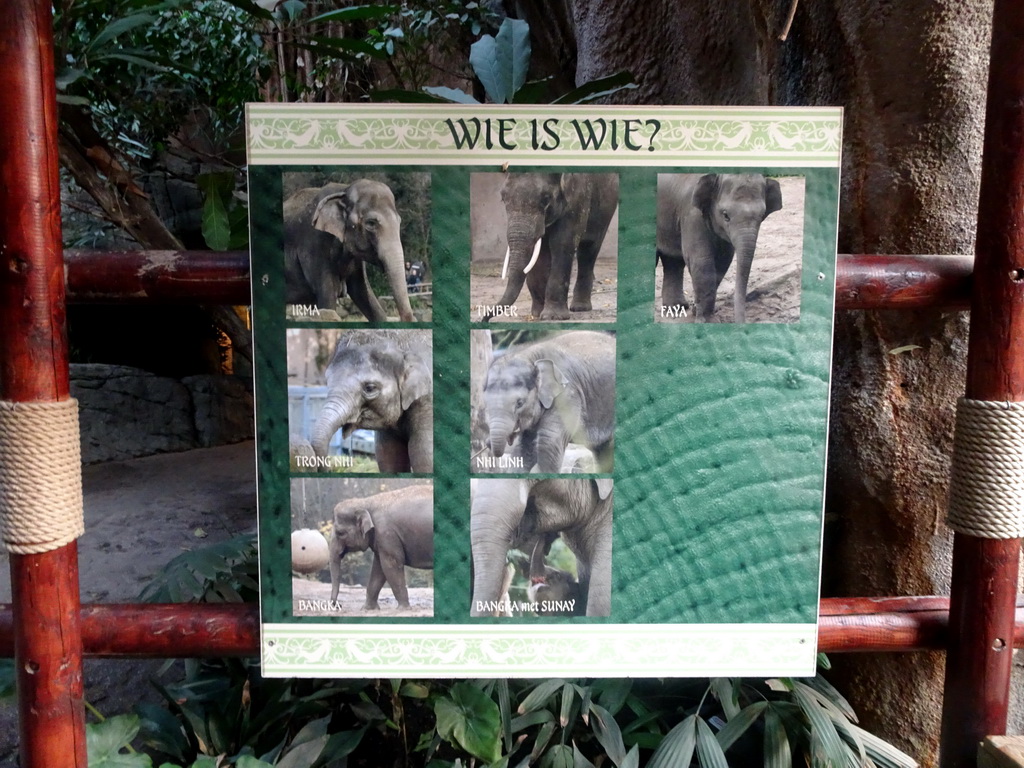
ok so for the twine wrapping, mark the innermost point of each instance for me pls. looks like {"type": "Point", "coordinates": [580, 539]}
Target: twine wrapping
{"type": "Point", "coordinates": [40, 476]}
{"type": "Point", "coordinates": [986, 493]}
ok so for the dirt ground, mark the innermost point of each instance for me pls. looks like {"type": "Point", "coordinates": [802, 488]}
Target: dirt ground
{"type": "Point", "coordinates": [421, 600]}
{"type": "Point", "coordinates": [773, 290]}
{"type": "Point", "coordinates": [487, 288]}
{"type": "Point", "coordinates": [139, 514]}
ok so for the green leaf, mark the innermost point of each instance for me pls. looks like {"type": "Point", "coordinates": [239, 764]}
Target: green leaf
{"type": "Point", "coordinates": [823, 731]}
{"type": "Point", "coordinates": [676, 749]}
{"type": "Point", "coordinates": [559, 756]}
{"type": "Point", "coordinates": [104, 742]}
{"type": "Point", "coordinates": [161, 730]}
{"type": "Point", "coordinates": [7, 678]}
{"type": "Point", "coordinates": [140, 61]}
{"type": "Point", "coordinates": [823, 661]}
{"type": "Point", "coordinates": [829, 691]}
{"type": "Point", "coordinates": [512, 46]}
{"type": "Point", "coordinates": [579, 760]}
{"type": "Point", "coordinates": [608, 733]}
{"type": "Point", "coordinates": [81, 101]}
{"type": "Point", "coordinates": [247, 761]}
{"type": "Point", "coordinates": [598, 89]}
{"type": "Point", "coordinates": [453, 95]}
{"type": "Point", "coordinates": [413, 690]}
{"type": "Point", "coordinates": [882, 752]}
{"type": "Point", "coordinates": [471, 719]}
{"type": "Point", "coordinates": [543, 738]}
{"type": "Point", "coordinates": [67, 76]}
{"type": "Point", "coordinates": [614, 692]}
{"type": "Point", "coordinates": [292, 8]}
{"type": "Point", "coordinates": [341, 744]}
{"type": "Point", "coordinates": [403, 96]}
{"type": "Point", "coordinates": [483, 57]}
{"type": "Point", "coordinates": [530, 719]}
{"type": "Point", "coordinates": [118, 27]}
{"type": "Point", "coordinates": [632, 758]}
{"type": "Point", "coordinates": [216, 229]}
{"type": "Point", "coordinates": [505, 708]}
{"type": "Point", "coordinates": [739, 723]}
{"type": "Point", "coordinates": [709, 751]}
{"type": "Point", "coordinates": [568, 699]}
{"type": "Point", "coordinates": [534, 92]}
{"type": "Point", "coordinates": [727, 691]}
{"type": "Point", "coordinates": [356, 13]}
{"type": "Point", "coordinates": [777, 753]}
{"type": "Point", "coordinates": [540, 696]}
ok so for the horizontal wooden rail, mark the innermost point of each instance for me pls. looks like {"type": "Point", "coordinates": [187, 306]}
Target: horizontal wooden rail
{"type": "Point", "coordinates": [846, 625]}
{"type": "Point", "coordinates": [863, 281]}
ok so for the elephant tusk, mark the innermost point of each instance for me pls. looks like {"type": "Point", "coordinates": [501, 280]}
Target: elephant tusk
{"type": "Point", "coordinates": [504, 266]}
{"type": "Point", "coordinates": [533, 259]}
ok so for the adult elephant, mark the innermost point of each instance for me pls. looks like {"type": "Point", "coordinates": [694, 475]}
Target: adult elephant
{"type": "Point", "coordinates": [550, 393]}
{"type": "Point", "coordinates": [398, 526]}
{"type": "Point", "coordinates": [512, 512]}
{"type": "Point", "coordinates": [554, 218]}
{"type": "Point", "coordinates": [331, 233]}
{"type": "Point", "coordinates": [382, 380]}
{"type": "Point", "coordinates": [703, 221]}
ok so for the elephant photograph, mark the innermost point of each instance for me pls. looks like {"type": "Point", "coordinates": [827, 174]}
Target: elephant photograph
{"type": "Point", "coordinates": [542, 401]}
{"type": "Point", "coordinates": [547, 231]}
{"type": "Point", "coordinates": [350, 243]}
{"type": "Point", "coordinates": [360, 400]}
{"type": "Point", "coordinates": [374, 534]}
{"type": "Point", "coordinates": [541, 547]}
{"type": "Point", "coordinates": [739, 237]}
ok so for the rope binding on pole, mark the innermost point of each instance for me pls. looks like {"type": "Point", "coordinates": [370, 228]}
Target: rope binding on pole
{"type": "Point", "coordinates": [40, 476]}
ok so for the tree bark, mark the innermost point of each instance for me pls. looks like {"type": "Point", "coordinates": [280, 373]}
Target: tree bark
{"type": "Point", "coordinates": [911, 76]}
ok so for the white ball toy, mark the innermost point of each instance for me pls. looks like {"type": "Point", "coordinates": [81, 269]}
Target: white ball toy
{"type": "Point", "coordinates": [309, 551]}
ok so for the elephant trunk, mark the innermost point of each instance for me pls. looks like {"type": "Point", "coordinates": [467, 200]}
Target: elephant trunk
{"type": "Point", "coordinates": [393, 256]}
{"type": "Point", "coordinates": [524, 243]}
{"type": "Point", "coordinates": [498, 507]}
{"type": "Point", "coordinates": [501, 433]}
{"type": "Point", "coordinates": [745, 246]}
{"type": "Point", "coordinates": [338, 412]}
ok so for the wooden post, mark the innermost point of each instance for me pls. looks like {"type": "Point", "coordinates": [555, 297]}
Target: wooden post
{"type": "Point", "coordinates": [984, 582]}
{"type": "Point", "coordinates": [34, 368]}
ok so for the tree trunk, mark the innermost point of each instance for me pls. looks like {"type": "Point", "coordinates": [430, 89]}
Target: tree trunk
{"type": "Point", "coordinates": [911, 76]}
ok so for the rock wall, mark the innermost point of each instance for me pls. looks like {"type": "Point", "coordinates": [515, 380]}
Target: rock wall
{"type": "Point", "coordinates": [126, 412]}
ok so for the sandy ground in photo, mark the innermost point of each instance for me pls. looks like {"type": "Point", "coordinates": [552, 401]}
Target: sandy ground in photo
{"type": "Point", "coordinates": [487, 288]}
{"type": "Point", "coordinates": [421, 600]}
{"type": "Point", "coordinates": [773, 290]}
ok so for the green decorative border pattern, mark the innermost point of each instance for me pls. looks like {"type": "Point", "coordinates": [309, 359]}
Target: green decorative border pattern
{"type": "Point", "coordinates": [284, 134]}
{"type": "Point", "coordinates": [521, 651]}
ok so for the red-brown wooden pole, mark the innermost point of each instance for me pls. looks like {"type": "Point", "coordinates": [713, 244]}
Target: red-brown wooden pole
{"type": "Point", "coordinates": [34, 368]}
{"type": "Point", "coordinates": [984, 580]}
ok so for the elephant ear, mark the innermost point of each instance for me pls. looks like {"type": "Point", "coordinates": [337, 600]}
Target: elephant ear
{"type": "Point", "coordinates": [415, 380]}
{"type": "Point", "coordinates": [574, 189]}
{"type": "Point", "coordinates": [550, 382]}
{"type": "Point", "coordinates": [772, 196]}
{"type": "Point", "coordinates": [365, 524]}
{"type": "Point", "coordinates": [604, 487]}
{"type": "Point", "coordinates": [332, 213]}
{"type": "Point", "coordinates": [705, 192]}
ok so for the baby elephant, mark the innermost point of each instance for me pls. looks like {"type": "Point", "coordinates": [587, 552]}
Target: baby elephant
{"type": "Point", "coordinates": [553, 591]}
{"type": "Point", "coordinates": [703, 221]}
{"type": "Point", "coordinates": [398, 526]}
